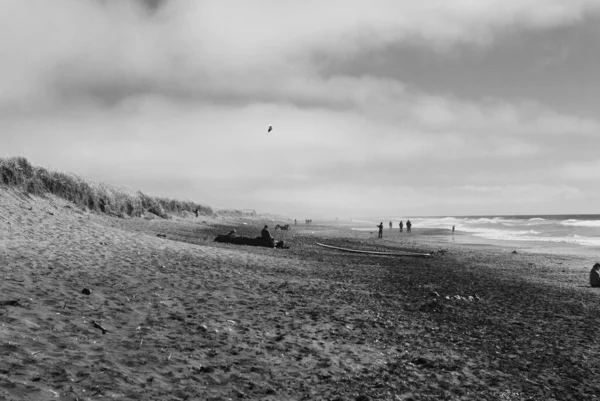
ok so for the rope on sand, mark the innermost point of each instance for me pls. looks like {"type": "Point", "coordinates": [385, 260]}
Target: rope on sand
{"type": "Point", "coordinates": [414, 254]}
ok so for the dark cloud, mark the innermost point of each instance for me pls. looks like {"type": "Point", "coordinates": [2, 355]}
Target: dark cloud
{"type": "Point", "coordinates": [556, 66]}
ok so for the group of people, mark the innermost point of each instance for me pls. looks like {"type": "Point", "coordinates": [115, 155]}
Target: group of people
{"type": "Point", "coordinates": [400, 225]}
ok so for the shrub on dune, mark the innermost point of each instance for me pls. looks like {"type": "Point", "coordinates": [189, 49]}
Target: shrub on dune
{"type": "Point", "coordinates": [18, 172]}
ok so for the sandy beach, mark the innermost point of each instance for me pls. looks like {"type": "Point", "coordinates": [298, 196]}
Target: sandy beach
{"type": "Point", "coordinates": [180, 317]}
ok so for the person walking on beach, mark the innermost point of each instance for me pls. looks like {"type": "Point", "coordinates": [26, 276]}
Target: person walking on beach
{"type": "Point", "coordinates": [452, 229]}
{"type": "Point", "coordinates": [390, 225]}
{"type": "Point", "coordinates": [401, 226]}
{"type": "Point", "coordinates": [408, 226]}
{"type": "Point", "coordinates": [595, 276]}
{"type": "Point", "coordinates": [380, 226]}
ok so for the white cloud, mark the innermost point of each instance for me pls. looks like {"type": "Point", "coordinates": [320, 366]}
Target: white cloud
{"type": "Point", "coordinates": [588, 170]}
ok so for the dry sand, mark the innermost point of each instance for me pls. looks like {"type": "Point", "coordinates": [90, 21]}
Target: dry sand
{"type": "Point", "coordinates": [190, 319]}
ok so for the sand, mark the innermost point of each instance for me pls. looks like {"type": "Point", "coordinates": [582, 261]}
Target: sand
{"type": "Point", "coordinates": [190, 319]}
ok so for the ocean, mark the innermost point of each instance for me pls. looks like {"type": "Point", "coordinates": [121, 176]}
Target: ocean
{"type": "Point", "coordinates": [579, 231]}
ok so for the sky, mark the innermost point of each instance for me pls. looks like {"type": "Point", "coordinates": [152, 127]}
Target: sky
{"type": "Point", "coordinates": [378, 108]}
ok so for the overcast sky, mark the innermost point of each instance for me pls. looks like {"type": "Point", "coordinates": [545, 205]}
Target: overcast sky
{"type": "Point", "coordinates": [379, 107]}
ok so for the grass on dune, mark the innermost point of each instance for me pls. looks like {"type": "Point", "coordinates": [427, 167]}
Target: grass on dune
{"type": "Point", "coordinates": [18, 172]}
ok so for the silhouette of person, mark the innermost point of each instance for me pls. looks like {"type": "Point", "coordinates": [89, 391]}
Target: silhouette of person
{"type": "Point", "coordinates": [401, 226]}
{"type": "Point", "coordinates": [452, 229]}
{"type": "Point", "coordinates": [380, 226]}
{"type": "Point", "coordinates": [295, 222]}
{"type": "Point", "coordinates": [408, 226]}
{"type": "Point", "coordinates": [266, 235]}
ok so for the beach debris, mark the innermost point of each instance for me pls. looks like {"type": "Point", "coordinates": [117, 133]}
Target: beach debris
{"type": "Point", "coordinates": [10, 302]}
{"type": "Point", "coordinates": [98, 326]}
{"type": "Point", "coordinates": [434, 294]}
{"type": "Point", "coordinates": [515, 252]}
{"type": "Point", "coordinates": [161, 235]}
{"type": "Point", "coordinates": [415, 254]}
{"type": "Point", "coordinates": [469, 298]}
{"type": "Point", "coordinates": [86, 291]}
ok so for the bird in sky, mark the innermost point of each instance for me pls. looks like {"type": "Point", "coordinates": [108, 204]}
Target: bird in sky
{"type": "Point", "coordinates": [270, 129]}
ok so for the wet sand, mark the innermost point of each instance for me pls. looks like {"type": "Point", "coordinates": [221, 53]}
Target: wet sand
{"type": "Point", "coordinates": [188, 319]}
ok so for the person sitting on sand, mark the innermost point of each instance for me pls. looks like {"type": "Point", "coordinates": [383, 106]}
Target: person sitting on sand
{"type": "Point", "coordinates": [266, 235]}
{"type": "Point", "coordinates": [595, 276]}
{"type": "Point", "coordinates": [380, 226]}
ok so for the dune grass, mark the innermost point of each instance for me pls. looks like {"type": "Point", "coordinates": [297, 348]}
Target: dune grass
{"type": "Point", "coordinates": [19, 173]}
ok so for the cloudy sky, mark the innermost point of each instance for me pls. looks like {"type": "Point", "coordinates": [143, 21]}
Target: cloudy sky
{"type": "Point", "coordinates": [379, 107]}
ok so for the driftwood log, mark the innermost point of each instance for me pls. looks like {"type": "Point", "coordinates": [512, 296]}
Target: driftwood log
{"type": "Point", "coordinates": [232, 238]}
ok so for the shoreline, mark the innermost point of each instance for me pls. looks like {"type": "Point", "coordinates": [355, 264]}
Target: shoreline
{"type": "Point", "coordinates": [191, 318]}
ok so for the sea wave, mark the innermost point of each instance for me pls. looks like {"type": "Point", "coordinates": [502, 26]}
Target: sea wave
{"type": "Point", "coordinates": [578, 240]}
{"type": "Point", "coordinates": [492, 233]}
{"type": "Point", "coordinates": [537, 219]}
{"type": "Point", "coordinates": [581, 223]}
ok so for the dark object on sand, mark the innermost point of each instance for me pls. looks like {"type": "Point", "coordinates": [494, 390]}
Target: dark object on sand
{"type": "Point", "coordinates": [161, 235]}
{"type": "Point", "coordinates": [96, 325]}
{"type": "Point", "coordinates": [233, 238]}
{"type": "Point", "coordinates": [86, 291]}
{"type": "Point", "coordinates": [282, 227]}
{"type": "Point", "coordinates": [10, 302]}
{"type": "Point", "coordinates": [595, 275]}
{"type": "Point", "coordinates": [421, 255]}
{"type": "Point", "coordinates": [515, 252]}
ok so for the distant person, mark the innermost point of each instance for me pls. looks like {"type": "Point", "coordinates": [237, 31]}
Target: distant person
{"type": "Point", "coordinates": [390, 225]}
{"type": "Point", "coordinates": [401, 226]}
{"type": "Point", "coordinates": [197, 211]}
{"type": "Point", "coordinates": [452, 229]}
{"type": "Point", "coordinates": [380, 226]}
{"type": "Point", "coordinates": [595, 276]}
{"type": "Point", "coordinates": [265, 234]}
{"type": "Point", "coordinates": [295, 222]}
{"type": "Point", "coordinates": [408, 226]}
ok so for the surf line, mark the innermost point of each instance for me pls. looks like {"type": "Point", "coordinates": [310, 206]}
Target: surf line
{"type": "Point", "coordinates": [414, 254]}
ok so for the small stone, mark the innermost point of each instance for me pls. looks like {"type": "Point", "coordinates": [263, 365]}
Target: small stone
{"type": "Point", "coordinates": [434, 294]}
{"type": "Point", "coordinates": [515, 252]}
{"type": "Point", "coordinates": [86, 291]}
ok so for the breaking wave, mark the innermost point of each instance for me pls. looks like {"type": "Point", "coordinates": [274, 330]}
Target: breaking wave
{"type": "Point", "coordinates": [581, 223]}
